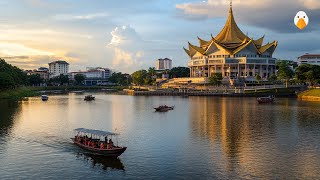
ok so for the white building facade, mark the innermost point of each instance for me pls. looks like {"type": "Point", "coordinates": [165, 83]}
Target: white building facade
{"type": "Point", "coordinates": [93, 76]}
{"type": "Point", "coordinates": [58, 67]}
{"type": "Point", "coordinates": [313, 59]}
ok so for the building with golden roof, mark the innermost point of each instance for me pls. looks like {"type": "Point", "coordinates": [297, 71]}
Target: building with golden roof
{"type": "Point", "coordinates": [233, 54]}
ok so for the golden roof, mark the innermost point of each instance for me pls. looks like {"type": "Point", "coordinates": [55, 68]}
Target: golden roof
{"type": "Point", "coordinates": [231, 34]}
{"type": "Point", "coordinates": [231, 39]}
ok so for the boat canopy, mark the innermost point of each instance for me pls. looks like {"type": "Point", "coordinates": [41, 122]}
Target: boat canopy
{"type": "Point", "coordinates": [96, 132]}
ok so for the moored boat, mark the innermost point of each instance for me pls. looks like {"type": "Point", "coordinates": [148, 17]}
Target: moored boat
{"type": "Point", "coordinates": [44, 98]}
{"type": "Point", "coordinates": [89, 98]}
{"type": "Point", "coordinates": [95, 145]}
{"type": "Point", "coordinates": [268, 99]}
{"type": "Point", "coordinates": [164, 108]}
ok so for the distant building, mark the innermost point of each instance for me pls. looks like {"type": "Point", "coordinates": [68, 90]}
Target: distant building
{"type": "Point", "coordinates": [93, 76]}
{"type": "Point", "coordinates": [163, 64]}
{"type": "Point", "coordinates": [43, 72]}
{"type": "Point", "coordinates": [313, 59]}
{"type": "Point", "coordinates": [58, 67]}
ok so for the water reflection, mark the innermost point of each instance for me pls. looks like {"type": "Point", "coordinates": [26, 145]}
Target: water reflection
{"type": "Point", "coordinates": [8, 110]}
{"type": "Point", "coordinates": [251, 140]}
{"type": "Point", "coordinates": [106, 163]}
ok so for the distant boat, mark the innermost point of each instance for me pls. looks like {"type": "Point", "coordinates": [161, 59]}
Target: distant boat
{"type": "Point", "coordinates": [164, 108]}
{"type": "Point", "coordinates": [89, 98]}
{"type": "Point", "coordinates": [44, 98]}
{"type": "Point", "coordinates": [268, 99]}
{"type": "Point", "coordinates": [96, 145]}
{"type": "Point", "coordinates": [78, 92]}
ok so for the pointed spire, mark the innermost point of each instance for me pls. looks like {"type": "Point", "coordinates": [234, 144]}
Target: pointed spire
{"type": "Point", "coordinates": [231, 33]}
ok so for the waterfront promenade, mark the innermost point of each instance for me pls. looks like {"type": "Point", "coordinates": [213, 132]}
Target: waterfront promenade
{"type": "Point", "coordinates": [250, 91]}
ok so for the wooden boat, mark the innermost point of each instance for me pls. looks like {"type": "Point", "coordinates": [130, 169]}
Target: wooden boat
{"type": "Point", "coordinates": [44, 98]}
{"type": "Point", "coordinates": [89, 98]}
{"type": "Point", "coordinates": [164, 108]}
{"type": "Point", "coordinates": [268, 99]}
{"type": "Point", "coordinates": [96, 146]}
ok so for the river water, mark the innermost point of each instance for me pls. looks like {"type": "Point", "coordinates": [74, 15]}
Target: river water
{"type": "Point", "coordinates": [202, 138]}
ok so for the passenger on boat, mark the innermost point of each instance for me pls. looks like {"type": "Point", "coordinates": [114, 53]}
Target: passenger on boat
{"type": "Point", "coordinates": [101, 145]}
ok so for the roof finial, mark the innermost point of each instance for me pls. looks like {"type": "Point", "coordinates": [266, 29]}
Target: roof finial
{"type": "Point", "coordinates": [230, 3]}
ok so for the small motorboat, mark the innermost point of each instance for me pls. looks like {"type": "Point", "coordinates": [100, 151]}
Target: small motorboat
{"type": "Point", "coordinates": [89, 98]}
{"type": "Point", "coordinates": [164, 108]}
{"type": "Point", "coordinates": [44, 98]}
{"type": "Point", "coordinates": [96, 142]}
{"type": "Point", "coordinates": [268, 99]}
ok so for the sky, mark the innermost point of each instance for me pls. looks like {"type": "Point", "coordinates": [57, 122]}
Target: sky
{"type": "Point", "coordinates": [129, 35]}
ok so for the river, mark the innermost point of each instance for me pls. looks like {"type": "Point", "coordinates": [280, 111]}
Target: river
{"type": "Point", "coordinates": [202, 138]}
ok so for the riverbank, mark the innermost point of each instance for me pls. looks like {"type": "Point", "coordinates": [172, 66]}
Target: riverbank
{"type": "Point", "coordinates": [279, 92]}
{"type": "Point", "coordinates": [18, 93]}
{"type": "Point", "coordinates": [35, 91]}
{"type": "Point", "coordinates": [310, 95]}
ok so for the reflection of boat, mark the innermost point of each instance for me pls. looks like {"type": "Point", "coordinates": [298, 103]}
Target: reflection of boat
{"type": "Point", "coordinates": [44, 98]}
{"type": "Point", "coordinates": [105, 162]}
{"type": "Point", "coordinates": [89, 98]}
{"type": "Point", "coordinates": [164, 108]}
{"type": "Point", "coordinates": [97, 146]}
{"type": "Point", "coordinates": [268, 99]}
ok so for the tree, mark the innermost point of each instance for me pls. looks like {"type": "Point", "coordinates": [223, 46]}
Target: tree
{"type": "Point", "coordinates": [284, 71]}
{"type": "Point", "coordinates": [139, 76]}
{"type": "Point", "coordinates": [151, 71]}
{"type": "Point", "coordinates": [6, 81]}
{"type": "Point", "coordinates": [272, 78]}
{"type": "Point", "coordinates": [63, 79]}
{"type": "Point", "coordinates": [120, 79]}
{"type": "Point", "coordinates": [215, 79]}
{"type": "Point", "coordinates": [16, 74]}
{"type": "Point", "coordinates": [308, 73]}
{"type": "Point", "coordinates": [258, 78]}
{"type": "Point", "coordinates": [177, 72]}
{"type": "Point", "coordinates": [79, 78]}
{"type": "Point", "coordinates": [35, 79]}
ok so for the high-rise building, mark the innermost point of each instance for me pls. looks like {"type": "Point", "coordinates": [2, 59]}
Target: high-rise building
{"type": "Point", "coordinates": [163, 64]}
{"type": "Point", "coordinates": [233, 54]}
{"type": "Point", "coordinates": [58, 67]}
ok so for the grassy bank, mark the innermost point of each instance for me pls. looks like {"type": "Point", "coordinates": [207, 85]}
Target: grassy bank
{"type": "Point", "coordinates": [18, 93]}
{"type": "Point", "coordinates": [282, 92]}
{"type": "Point", "coordinates": [311, 92]}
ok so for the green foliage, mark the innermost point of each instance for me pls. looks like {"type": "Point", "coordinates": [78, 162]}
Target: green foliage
{"type": "Point", "coordinates": [17, 76]}
{"type": "Point", "coordinates": [79, 78]}
{"type": "Point", "coordinates": [6, 81]}
{"type": "Point", "coordinates": [284, 71]}
{"type": "Point", "coordinates": [273, 78]}
{"type": "Point", "coordinates": [120, 79]}
{"type": "Point", "coordinates": [258, 78]}
{"type": "Point", "coordinates": [62, 79]}
{"type": "Point", "coordinates": [35, 79]}
{"type": "Point", "coordinates": [308, 73]}
{"type": "Point", "coordinates": [215, 79]}
{"type": "Point", "coordinates": [138, 77]}
{"type": "Point", "coordinates": [177, 72]}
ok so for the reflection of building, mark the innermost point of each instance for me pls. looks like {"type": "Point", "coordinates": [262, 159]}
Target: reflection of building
{"type": "Point", "coordinates": [94, 76]}
{"type": "Point", "coordinates": [233, 54]}
{"type": "Point", "coordinates": [42, 71]}
{"type": "Point", "coordinates": [58, 67]}
{"type": "Point", "coordinates": [163, 64]}
{"type": "Point", "coordinates": [313, 59]}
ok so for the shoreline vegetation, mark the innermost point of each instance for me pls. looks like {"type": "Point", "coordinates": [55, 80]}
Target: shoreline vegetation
{"type": "Point", "coordinates": [30, 91]}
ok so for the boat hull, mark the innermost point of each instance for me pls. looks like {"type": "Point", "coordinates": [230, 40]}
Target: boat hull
{"type": "Point", "coordinates": [115, 152]}
{"type": "Point", "coordinates": [164, 109]}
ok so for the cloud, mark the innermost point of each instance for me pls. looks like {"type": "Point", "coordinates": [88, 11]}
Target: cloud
{"type": "Point", "coordinates": [124, 35]}
{"type": "Point", "coordinates": [19, 50]}
{"type": "Point", "coordinates": [71, 17]}
{"type": "Point", "coordinates": [270, 14]}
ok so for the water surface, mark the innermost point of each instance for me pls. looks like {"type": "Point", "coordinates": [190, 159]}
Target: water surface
{"type": "Point", "coordinates": [203, 137]}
